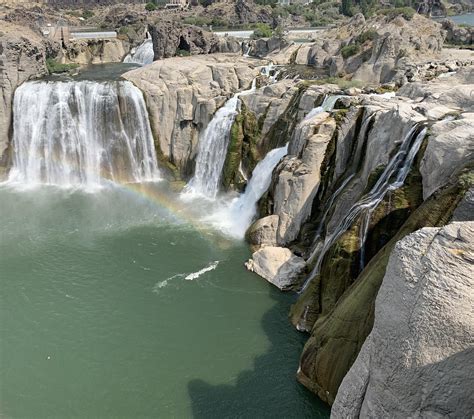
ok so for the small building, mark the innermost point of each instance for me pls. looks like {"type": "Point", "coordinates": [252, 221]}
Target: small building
{"type": "Point", "coordinates": [176, 4]}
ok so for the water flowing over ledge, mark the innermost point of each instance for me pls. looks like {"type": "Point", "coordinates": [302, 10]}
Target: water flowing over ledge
{"type": "Point", "coordinates": [81, 134]}
{"type": "Point", "coordinates": [143, 54]}
{"type": "Point", "coordinates": [212, 149]}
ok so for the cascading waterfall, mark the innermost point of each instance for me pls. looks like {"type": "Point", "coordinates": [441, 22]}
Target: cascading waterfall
{"type": "Point", "coordinates": [236, 218]}
{"type": "Point", "coordinates": [301, 131]}
{"type": "Point", "coordinates": [78, 133]}
{"type": "Point", "coordinates": [142, 55]}
{"type": "Point", "coordinates": [212, 149]}
{"type": "Point", "coordinates": [393, 177]}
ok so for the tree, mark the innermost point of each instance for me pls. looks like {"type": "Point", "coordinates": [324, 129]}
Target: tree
{"type": "Point", "coordinates": [346, 8]}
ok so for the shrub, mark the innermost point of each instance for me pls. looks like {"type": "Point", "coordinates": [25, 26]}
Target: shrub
{"type": "Point", "coordinates": [349, 50]}
{"type": "Point", "coordinates": [369, 35]}
{"type": "Point", "coordinates": [87, 14]}
{"type": "Point", "coordinates": [262, 30]}
{"type": "Point", "coordinates": [406, 12]}
{"type": "Point", "coordinates": [54, 67]}
{"type": "Point", "coordinates": [149, 7]}
{"type": "Point", "coordinates": [182, 53]}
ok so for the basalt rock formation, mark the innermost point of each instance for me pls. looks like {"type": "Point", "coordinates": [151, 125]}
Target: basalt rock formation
{"type": "Point", "coordinates": [182, 94]}
{"type": "Point", "coordinates": [337, 160]}
{"type": "Point", "coordinates": [418, 361]}
{"type": "Point", "coordinates": [377, 50]}
{"type": "Point", "coordinates": [172, 38]}
{"type": "Point", "coordinates": [22, 57]}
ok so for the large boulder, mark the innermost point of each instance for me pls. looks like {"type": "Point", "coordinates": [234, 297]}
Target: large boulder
{"type": "Point", "coordinates": [418, 361]}
{"type": "Point", "coordinates": [277, 265]}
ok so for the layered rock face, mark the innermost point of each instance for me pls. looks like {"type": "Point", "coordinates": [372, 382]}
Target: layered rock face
{"type": "Point", "coordinates": [335, 168]}
{"type": "Point", "coordinates": [379, 50]}
{"type": "Point", "coordinates": [172, 38]}
{"type": "Point", "coordinates": [182, 94]}
{"type": "Point", "coordinates": [418, 361]}
{"type": "Point", "coordinates": [22, 57]}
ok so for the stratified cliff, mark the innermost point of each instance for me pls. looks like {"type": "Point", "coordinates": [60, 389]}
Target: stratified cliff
{"type": "Point", "coordinates": [418, 361]}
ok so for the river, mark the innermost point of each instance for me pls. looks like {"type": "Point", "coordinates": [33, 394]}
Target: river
{"type": "Point", "coordinates": [117, 300]}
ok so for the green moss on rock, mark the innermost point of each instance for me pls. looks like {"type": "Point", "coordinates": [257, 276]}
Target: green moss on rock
{"type": "Point", "coordinates": [244, 137]}
{"type": "Point", "coordinates": [337, 336]}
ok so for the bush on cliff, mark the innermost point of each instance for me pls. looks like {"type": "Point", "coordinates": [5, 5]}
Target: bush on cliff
{"type": "Point", "coordinates": [350, 50]}
{"type": "Point", "coordinates": [263, 30]}
{"type": "Point", "coordinates": [149, 7]}
{"type": "Point", "coordinates": [406, 12]}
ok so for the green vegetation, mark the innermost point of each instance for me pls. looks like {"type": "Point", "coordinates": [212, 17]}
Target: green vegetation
{"type": "Point", "coordinates": [369, 7]}
{"type": "Point", "coordinates": [350, 50]}
{"type": "Point", "coordinates": [54, 67]}
{"type": "Point", "coordinates": [149, 7]}
{"type": "Point", "coordinates": [369, 35]}
{"type": "Point", "coordinates": [87, 14]}
{"type": "Point", "coordinates": [182, 53]}
{"type": "Point", "coordinates": [263, 30]}
{"type": "Point", "coordinates": [406, 12]}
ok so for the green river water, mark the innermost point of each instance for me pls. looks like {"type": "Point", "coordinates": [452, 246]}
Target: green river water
{"type": "Point", "coordinates": [98, 319]}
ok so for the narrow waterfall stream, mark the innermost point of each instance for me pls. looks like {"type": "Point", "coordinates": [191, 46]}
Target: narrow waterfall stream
{"type": "Point", "coordinates": [81, 133]}
{"type": "Point", "coordinates": [393, 177]}
{"type": "Point", "coordinates": [236, 218]}
{"type": "Point", "coordinates": [212, 149]}
{"type": "Point", "coordinates": [143, 54]}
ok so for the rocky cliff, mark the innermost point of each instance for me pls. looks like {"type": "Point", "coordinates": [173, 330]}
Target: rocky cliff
{"type": "Point", "coordinates": [334, 202]}
{"type": "Point", "coordinates": [378, 50]}
{"type": "Point", "coordinates": [182, 94]}
{"type": "Point", "coordinates": [418, 361]}
{"type": "Point", "coordinates": [22, 57]}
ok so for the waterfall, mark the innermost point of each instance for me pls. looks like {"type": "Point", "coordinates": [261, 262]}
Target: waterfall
{"type": "Point", "coordinates": [237, 217]}
{"type": "Point", "coordinates": [143, 54]}
{"type": "Point", "coordinates": [212, 149]}
{"type": "Point", "coordinates": [301, 131]}
{"type": "Point", "coordinates": [393, 177]}
{"type": "Point", "coordinates": [77, 133]}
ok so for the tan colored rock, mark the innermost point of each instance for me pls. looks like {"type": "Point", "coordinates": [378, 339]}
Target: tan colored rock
{"type": "Point", "coordinates": [418, 361]}
{"type": "Point", "coordinates": [263, 231]}
{"type": "Point", "coordinates": [183, 93]}
{"type": "Point", "coordinates": [22, 57]}
{"type": "Point", "coordinates": [277, 265]}
{"type": "Point", "coordinates": [299, 177]}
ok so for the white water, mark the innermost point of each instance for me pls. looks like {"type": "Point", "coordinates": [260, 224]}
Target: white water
{"type": "Point", "coordinates": [143, 54]}
{"type": "Point", "coordinates": [212, 149]}
{"type": "Point", "coordinates": [393, 177]}
{"type": "Point", "coordinates": [235, 218]}
{"type": "Point", "coordinates": [78, 133]}
{"type": "Point", "coordinates": [301, 131]}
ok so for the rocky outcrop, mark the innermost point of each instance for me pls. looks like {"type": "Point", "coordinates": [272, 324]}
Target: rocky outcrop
{"type": "Point", "coordinates": [172, 38]}
{"type": "Point", "coordinates": [418, 361]}
{"type": "Point", "coordinates": [334, 159]}
{"type": "Point", "coordinates": [457, 35]}
{"type": "Point", "coordinates": [277, 265]}
{"type": "Point", "coordinates": [182, 94]}
{"type": "Point", "coordinates": [379, 50]}
{"type": "Point", "coordinates": [22, 57]}
{"type": "Point", "coordinates": [94, 51]}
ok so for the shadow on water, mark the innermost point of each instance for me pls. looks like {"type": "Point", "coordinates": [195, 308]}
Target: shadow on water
{"type": "Point", "coordinates": [270, 389]}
